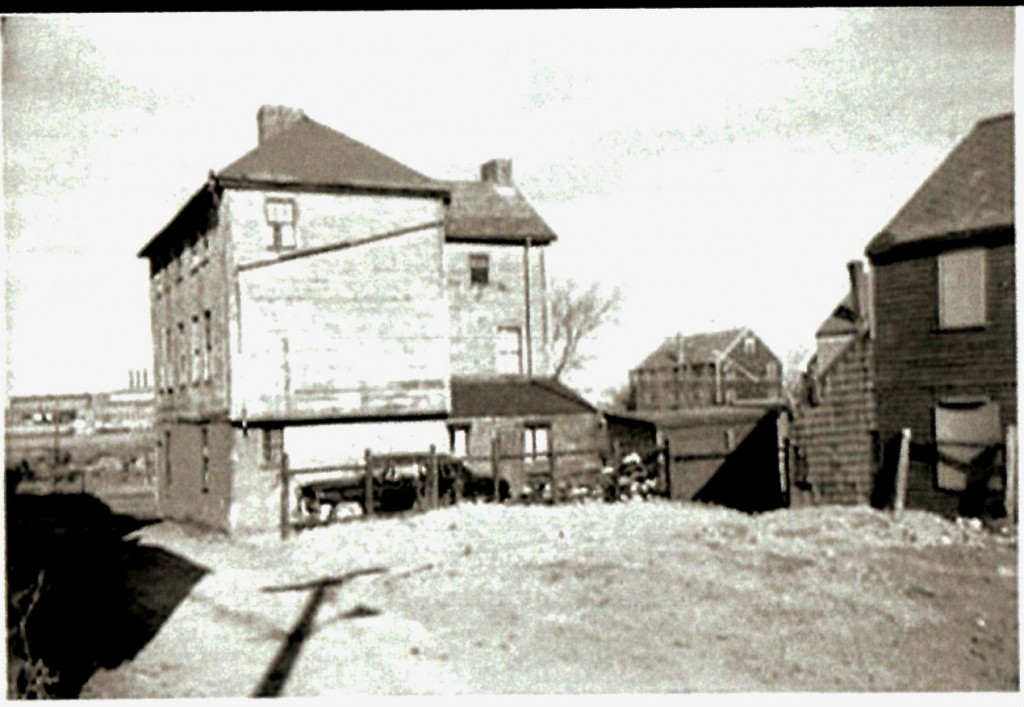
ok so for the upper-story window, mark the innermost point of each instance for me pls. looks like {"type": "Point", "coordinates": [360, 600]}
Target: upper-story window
{"type": "Point", "coordinates": [479, 269]}
{"type": "Point", "coordinates": [281, 219]}
{"type": "Point", "coordinates": [750, 346]}
{"type": "Point", "coordinates": [962, 288]}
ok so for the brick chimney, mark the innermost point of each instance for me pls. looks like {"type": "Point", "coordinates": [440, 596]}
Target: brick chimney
{"type": "Point", "coordinates": [498, 171]}
{"type": "Point", "coordinates": [270, 120]}
{"type": "Point", "coordinates": [859, 294]}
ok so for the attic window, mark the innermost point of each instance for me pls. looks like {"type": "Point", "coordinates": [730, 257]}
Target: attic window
{"type": "Point", "coordinates": [479, 268]}
{"type": "Point", "coordinates": [281, 219]}
{"type": "Point", "coordinates": [749, 346]}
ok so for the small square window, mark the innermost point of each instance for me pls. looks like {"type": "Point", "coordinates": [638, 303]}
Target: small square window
{"type": "Point", "coordinates": [458, 440]}
{"type": "Point", "coordinates": [479, 268]}
{"type": "Point", "coordinates": [536, 440]}
{"type": "Point", "coordinates": [280, 215]}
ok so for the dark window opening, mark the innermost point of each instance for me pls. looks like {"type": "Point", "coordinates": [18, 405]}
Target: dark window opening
{"type": "Point", "coordinates": [479, 269]}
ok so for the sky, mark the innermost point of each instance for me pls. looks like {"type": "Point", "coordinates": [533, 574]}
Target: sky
{"type": "Point", "coordinates": [720, 166]}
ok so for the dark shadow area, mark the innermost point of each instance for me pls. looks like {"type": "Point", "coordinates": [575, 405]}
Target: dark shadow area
{"type": "Point", "coordinates": [281, 666]}
{"type": "Point", "coordinates": [748, 480]}
{"type": "Point", "coordinates": [80, 596]}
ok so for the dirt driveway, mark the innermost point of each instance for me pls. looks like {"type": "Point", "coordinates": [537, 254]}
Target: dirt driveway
{"type": "Point", "coordinates": [640, 597]}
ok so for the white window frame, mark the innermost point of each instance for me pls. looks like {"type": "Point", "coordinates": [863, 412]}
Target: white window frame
{"type": "Point", "coordinates": [954, 271]}
{"type": "Point", "coordinates": [503, 355]}
{"type": "Point", "coordinates": [457, 433]}
{"type": "Point", "coordinates": [281, 215]}
{"type": "Point", "coordinates": [532, 451]}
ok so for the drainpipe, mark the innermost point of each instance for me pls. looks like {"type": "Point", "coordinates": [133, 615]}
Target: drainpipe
{"type": "Point", "coordinates": [526, 281]}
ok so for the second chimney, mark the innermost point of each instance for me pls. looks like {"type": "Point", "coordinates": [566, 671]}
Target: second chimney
{"type": "Point", "coordinates": [497, 172]}
{"type": "Point", "coordinates": [270, 120]}
{"type": "Point", "coordinates": [859, 292]}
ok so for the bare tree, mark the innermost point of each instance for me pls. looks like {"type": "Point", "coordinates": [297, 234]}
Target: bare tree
{"type": "Point", "coordinates": [793, 376]}
{"type": "Point", "coordinates": [577, 313]}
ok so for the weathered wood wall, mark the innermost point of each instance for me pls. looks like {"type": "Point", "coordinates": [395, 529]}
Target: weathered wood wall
{"type": "Point", "coordinates": [833, 448]}
{"type": "Point", "coordinates": [918, 364]}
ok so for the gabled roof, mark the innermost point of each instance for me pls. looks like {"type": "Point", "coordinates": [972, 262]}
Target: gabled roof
{"type": "Point", "coordinates": [513, 396]}
{"type": "Point", "coordinates": [842, 320]}
{"type": "Point", "coordinates": [697, 348]}
{"type": "Point", "coordinates": [483, 210]}
{"type": "Point", "coordinates": [972, 191]}
{"type": "Point", "coordinates": [310, 154]}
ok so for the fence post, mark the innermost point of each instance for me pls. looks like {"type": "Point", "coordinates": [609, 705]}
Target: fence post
{"type": "Point", "coordinates": [1011, 473]}
{"type": "Point", "coordinates": [285, 520]}
{"type": "Point", "coordinates": [551, 467]}
{"type": "Point", "coordinates": [668, 470]}
{"type": "Point", "coordinates": [367, 485]}
{"type": "Point", "coordinates": [433, 494]}
{"type": "Point", "coordinates": [902, 470]}
{"type": "Point", "coordinates": [616, 463]}
{"type": "Point", "coordinates": [494, 469]}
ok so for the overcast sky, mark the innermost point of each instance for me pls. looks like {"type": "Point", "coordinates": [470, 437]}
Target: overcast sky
{"type": "Point", "coordinates": [722, 166]}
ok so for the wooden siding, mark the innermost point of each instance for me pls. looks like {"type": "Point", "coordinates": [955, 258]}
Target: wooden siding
{"type": "Point", "coordinates": [575, 432]}
{"type": "Point", "coordinates": [918, 365]}
{"type": "Point", "coordinates": [478, 311]}
{"type": "Point", "coordinates": [833, 452]}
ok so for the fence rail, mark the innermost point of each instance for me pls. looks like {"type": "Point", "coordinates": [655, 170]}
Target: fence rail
{"type": "Point", "coordinates": [435, 474]}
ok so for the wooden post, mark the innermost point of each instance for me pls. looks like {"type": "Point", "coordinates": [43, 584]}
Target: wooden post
{"type": "Point", "coordinates": [616, 463]}
{"type": "Point", "coordinates": [551, 469]}
{"type": "Point", "coordinates": [367, 484]}
{"type": "Point", "coordinates": [902, 470]}
{"type": "Point", "coordinates": [494, 469]}
{"type": "Point", "coordinates": [1011, 473]}
{"type": "Point", "coordinates": [433, 482]}
{"type": "Point", "coordinates": [285, 519]}
{"type": "Point", "coordinates": [668, 469]}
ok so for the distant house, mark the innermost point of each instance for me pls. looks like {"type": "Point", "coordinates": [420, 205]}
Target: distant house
{"type": "Point", "coordinates": [834, 435]}
{"type": "Point", "coordinates": [701, 370]}
{"type": "Point", "coordinates": [945, 322]}
{"type": "Point", "coordinates": [314, 299]}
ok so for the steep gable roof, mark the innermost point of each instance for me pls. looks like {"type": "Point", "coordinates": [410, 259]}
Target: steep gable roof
{"type": "Point", "coordinates": [310, 154]}
{"type": "Point", "coordinates": [697, 348]}
{"type": "Point", "coordinates": [971, 191]}
{"type": "Point", "coordinates": [513, 396]}
{"type": "Point", "coordinates": [482, 210]}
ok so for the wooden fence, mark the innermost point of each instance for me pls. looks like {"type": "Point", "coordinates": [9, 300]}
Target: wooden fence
{"type": "Point", "coordinates": [548, 484]}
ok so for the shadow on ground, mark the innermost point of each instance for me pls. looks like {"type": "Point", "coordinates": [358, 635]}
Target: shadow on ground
{"type": "Point", "coordinates": [80, 595]}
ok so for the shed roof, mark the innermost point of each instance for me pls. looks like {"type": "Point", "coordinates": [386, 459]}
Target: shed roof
{"type": "Point", "coordinates": [971, 191]}
{"type": "Point", "coordinates": [513, 396]}
{"type": "Point", "coordinates": [310, 154]}
{"type": "Point", "coordinates": [696, 348]}
{"type": "Point", "coordinates": [483, 210]}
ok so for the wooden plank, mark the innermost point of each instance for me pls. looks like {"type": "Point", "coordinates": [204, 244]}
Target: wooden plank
{"type": "Point", "coordinates": [1011, 473]}
{"type": "Point", "coordinates": [902, 469]}
{"type": "Point", "coordinates": [494, 469]}
{"type": "Point", "coordinates": [368, 484]}
{"type": "Point", "coordinates": [285, 520]}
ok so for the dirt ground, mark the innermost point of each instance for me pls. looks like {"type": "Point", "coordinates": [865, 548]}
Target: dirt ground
{"type": "Point", "coordinates": [636, 597]}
